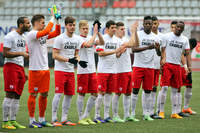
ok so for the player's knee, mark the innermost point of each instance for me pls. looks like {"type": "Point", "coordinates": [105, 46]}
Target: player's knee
{"type": "Point", "coordinates": [101, 93]}
{"type": "Point", "coordinates": [9, 95]}
{"type": "Point", "coordinates": [135, 91]}
{"type": "Point", "coordinates": [127, 94]}
{"type": "Point", "coordinates": [164, 89]}
{"type": "Point", "coordinates": [119, 94]}
{"type": "Point", "coordinates": [94, 94]}
{"type": "Point", "coordinates": [34, 94]}
{"type": "Point", "coordinates": [147, 91]}
{"type": "Point", "coordinates": [82, 94]}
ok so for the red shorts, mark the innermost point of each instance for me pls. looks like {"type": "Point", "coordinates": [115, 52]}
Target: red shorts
{"type": "Point", "coordinates": [156, 77]}
{"type": "Point", "coordinates": [107, 82]}
{"type": "Point", "coordinates": [39, 81]}
{"type": "Point", "coordinates": [171, 75]}
{"type": "Point", "coordinates": [64, 82]}
{"type": "Point", "coordinates": [143, 76]}
{"type": "Point", "coordinates": [87, 83]}
{"type": "Point", "coordinates": [124, 83]}
{"type": "Point", "coordinates": [185, 81]}
{"type": "Point", "coordinates": [14, 78]}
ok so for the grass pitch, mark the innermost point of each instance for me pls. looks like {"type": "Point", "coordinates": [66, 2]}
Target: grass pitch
{"type": "Point", "coordinates": [168, 125]}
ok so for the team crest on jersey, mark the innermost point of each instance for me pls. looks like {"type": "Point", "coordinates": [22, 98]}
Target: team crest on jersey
{"type": "Point", "coordinates": [99, 86]}
{"type": "Point", "coordinates": [35, 88]}
{"type": "Point", "coordinates": [21, 43]}
{"type": "Point", "coordinates": [80, 88]}
{"type": "Point", "coordinates": [120, 89]}
{"type": "Point", "coordinates": [11, 86]}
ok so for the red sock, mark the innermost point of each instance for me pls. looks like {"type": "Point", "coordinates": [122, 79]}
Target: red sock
{"type": "Point", "coordinates": [31, 105]}
{"type": "Point", "coordinates": [42, 105]}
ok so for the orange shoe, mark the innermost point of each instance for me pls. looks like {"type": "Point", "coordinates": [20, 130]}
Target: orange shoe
{"type": "Point", "coordinates": [57, 124]}
{"type": "Point", "coordinates": [162, 115]}
{"type": "Point", "coordinates": [68, 123]}
{"type": "Point", "coordinates": [189, 111]}
{"type": "Point", "coordinates": [176, 116]}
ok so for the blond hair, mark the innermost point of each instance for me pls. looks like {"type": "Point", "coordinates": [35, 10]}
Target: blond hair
{"type": "Point", "coordinates": [83, 23]}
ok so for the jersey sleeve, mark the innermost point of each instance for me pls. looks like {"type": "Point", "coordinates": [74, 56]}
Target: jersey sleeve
{"type": "Point", "coordinates": [99, 48]}
{"type": "Point", "coordinates": [7, 42]}
{"type": "Point", "coordinates": [187, 45]}
{"type": "Point", "coordinates": [57, 43]}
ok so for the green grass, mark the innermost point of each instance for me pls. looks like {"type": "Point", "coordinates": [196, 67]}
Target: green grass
{"type": "Point", "coordinates": [168, 125]}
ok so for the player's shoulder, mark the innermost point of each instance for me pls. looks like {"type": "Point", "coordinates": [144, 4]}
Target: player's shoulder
{"type": "Point", "coordinates": [11, 34]}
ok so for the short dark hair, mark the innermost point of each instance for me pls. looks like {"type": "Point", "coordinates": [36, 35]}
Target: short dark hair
{"type": "Point", "coordinates": [119, 24]}
{"type": "Point", "coordinates": [154, 18]}
{"type": "Point", "coordinates": [109, 23]}
{"type": "Point", "coordinates": [193, 43]}
{"type": "Point", "coordinates": [69, 20]}
{"type": "Point", "coordinates": [173, 22]}
{"type": "Point", "coordinates": [147, 18]}
{"type": "Point", "coordinates": [181, 22]}
{"type": "Point", "coordinates": [37, 17]}
{"type": "Point", "coordinates": [20, 20]}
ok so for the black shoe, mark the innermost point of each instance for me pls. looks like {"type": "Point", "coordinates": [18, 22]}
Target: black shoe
{"type": "Point", "coordinates": [155, 116]}
{"type": "Point", "coordinates": [183, 114]}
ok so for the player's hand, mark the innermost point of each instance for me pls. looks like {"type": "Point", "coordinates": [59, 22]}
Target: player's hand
{"type": "Point", "coordinates": [162, 62]}
{"type": "Point", "coordinates": [83, 64]}
{"type": "Point", "coordinates": [73, 60]}
{"type": "Point", "coordinates": [152, 46]}
{"type": "Point", "coordinates": [186, 70]}
{"type": "Point", "coordinates": [96, 29]}
{"type": "Point", "coordinates": [98, 23]}
{"type": "Point", "coordinates": [26, 77]}
{"type": "Point", "coordinates": [157, 45]}
{"type": "Point", "coordinates": [134, 27]}
{"type": "Point", "coordinates": [189, 69]}
{"type": "Point", "coordinates": [25, 55]}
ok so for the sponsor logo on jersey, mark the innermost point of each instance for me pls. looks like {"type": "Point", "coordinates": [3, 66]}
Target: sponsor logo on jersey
{"type": "Point", "coordinates": [70, 45]}
{"type": "Point", "coordinates": [110, 45]}
{"type": "Point", "coordinates": [21, 43]}
{"type": "Point", "coordinates": [176, 44]}
{"type": "Point", "coordinates": [43, 40]}
{"type": "Point", "coordinates": [147, 42]}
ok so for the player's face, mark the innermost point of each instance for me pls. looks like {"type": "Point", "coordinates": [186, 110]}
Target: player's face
{"type": "Point", "coordinates": [155, 25]}
{"type": "Point", "coordinates": [84, 30]}
{"type": "Point", "coordinates": [179, 29]}
{"type": "Point", "coordinates": [121, 31]}
{"type": "Point", "coordinates": [112, 29]}
{"type": "Point", "coordinates": [147, 26]}
{"type": "Point", "coordinates": [71, 27]}
{"type": "Point", "coordinates": [40, 25]}
{"type": "Point", "coordinates": [173, 26]}
{"type": "Point", "coordinates": [26, 26]}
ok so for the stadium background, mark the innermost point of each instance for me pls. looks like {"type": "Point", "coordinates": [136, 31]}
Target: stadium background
{"type": "Point", "coordinates": [118, 10]}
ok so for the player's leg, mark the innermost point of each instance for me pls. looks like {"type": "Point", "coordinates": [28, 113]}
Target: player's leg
{"type": "Point", "coordinates": [69, 91]}
{"type": "Point", "coordinates": [102, 85]}
{"type": "Point", "coordinates": [165, 80]}
{"type": "Point", "coordinates": [92, 88]}
{"type": "Point", "coordinates": [146, 95]}
{"type": "Point", "coordinates": [111, 86]}
{"type": "Point", "coordinates": [59, 89]}
{"type": "Point", "coordinates": [115, 99]}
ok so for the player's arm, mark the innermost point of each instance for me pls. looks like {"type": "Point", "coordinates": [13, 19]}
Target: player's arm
{"type": "Point", "coordinates": [163, 56]}
{"type": "Point", "coordinates": [188, 59]}
{"type": "Point", "coordinates": [140, 49]}
{"type": "Point", "coordinates": [8, 54]}
{"type": "Point", "coordinates": [157, 48]}
{"type": "Point", "coordinates": [134, 41]}
{"type": "Point", "coordinates": [56, 32]}
{"type": "Point", "coordinates": [56, 55]}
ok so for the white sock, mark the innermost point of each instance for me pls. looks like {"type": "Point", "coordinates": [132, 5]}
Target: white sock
{"type": "Point", "coordinates": [174, 99]}
{"type": "Point", "coordinates": [6, 108]}
{"type": "Point", "coordinates": [31, 120]}
{"type": "Point", "coordinates": [133, 103]}
{"type": "Point", "coordinates": [79, 104]}
{"type": "Point", "coordinates": [158, 102]}
{"type": "Point", "coordinates": [90, 104]}
{"type": "Point", "coordinates": [98, 105]}
{"type": "Point", "coordinates": [179, 102]}
{"type": "Point", "coordinates": [163, 97]}
{"type": "Point", "coordinates": [153, 101]}
{"type": "Point", "coordinates": [107, 101]}
{"type": "Point", "coordinates": [146, 103]}
{"type": "Point", "coordinates": [126, 103]}
{"type": "Point", "coordinates": [55, 104]}
{"type": "Point", "coordinates": [65, 107]}
{"type": "Point", "coordinates": [14, 109]}
{"type": "Point", "coordinates": [41, 119]}
{"type": "Point", "coordinates": [187, 97]}
{"type": "Point", "coordinates": [115, 105]}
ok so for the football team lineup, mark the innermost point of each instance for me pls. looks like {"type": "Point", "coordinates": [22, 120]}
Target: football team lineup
{"type": "Point", "coordinates": [160, 61]}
